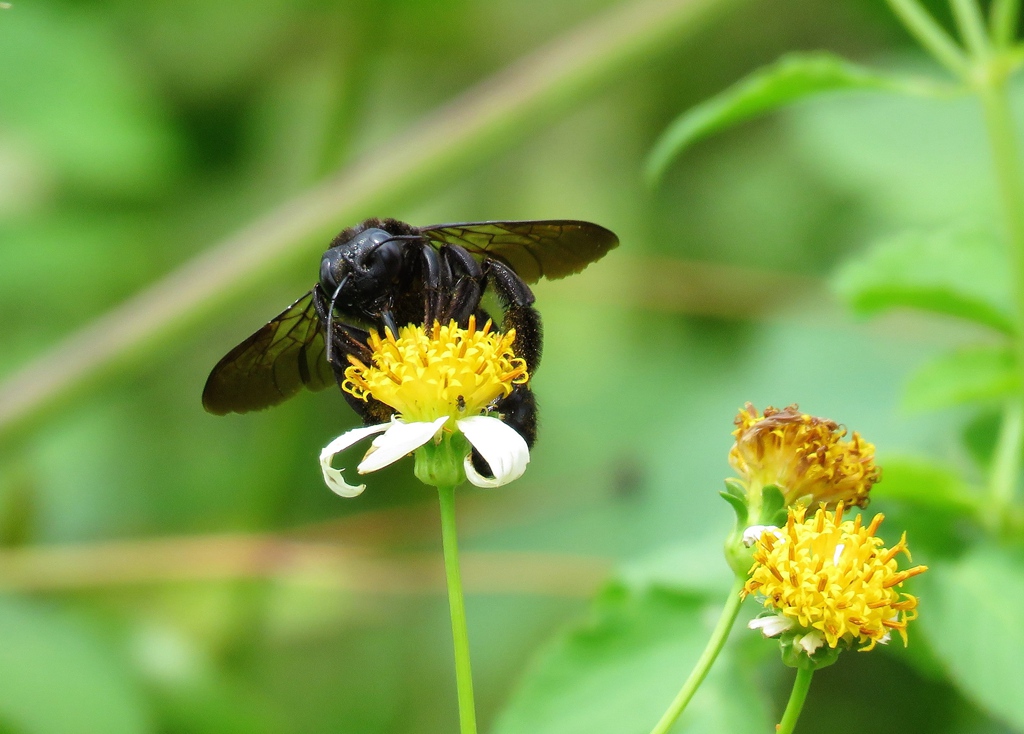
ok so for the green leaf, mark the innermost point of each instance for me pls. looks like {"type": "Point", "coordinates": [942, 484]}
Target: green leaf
{"type": "Point", "coordinates": [58, 678]}
{"type": "Point", "coordinates": [618, 673]}
{"type": "Point", "coordinates": [969, 375]}
{"type": "Point", "coordinates": [791, 78]}
{"type": "Point", "coordinates": [957, 272]}
{"type": "Point", "coordinates": [971, 613]}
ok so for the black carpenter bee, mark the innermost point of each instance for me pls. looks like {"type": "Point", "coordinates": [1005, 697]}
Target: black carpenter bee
{"type": "Point", "coordinates": [383, 273]}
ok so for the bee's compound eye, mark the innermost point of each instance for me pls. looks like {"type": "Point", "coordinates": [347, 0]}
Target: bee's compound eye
{"type": "Point", "coordinates": [332, 269]}
{"type": "Point", "coordinates": [365, 245]}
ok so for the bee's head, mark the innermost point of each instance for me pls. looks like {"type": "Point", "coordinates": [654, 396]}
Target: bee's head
{"type": "Point", "coordinates": [363, 264]}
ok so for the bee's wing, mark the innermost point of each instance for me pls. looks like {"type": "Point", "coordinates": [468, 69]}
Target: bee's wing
{"type": "Point", "coordinates": [272, 365]}
{"type": "Point", "coordinates": [551, 248]}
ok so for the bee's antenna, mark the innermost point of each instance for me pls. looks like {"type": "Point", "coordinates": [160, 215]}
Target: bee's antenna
{"type": "Point", "coordinates": [330, 319]}
{"type": "Point", "coordinates": [394, 238]}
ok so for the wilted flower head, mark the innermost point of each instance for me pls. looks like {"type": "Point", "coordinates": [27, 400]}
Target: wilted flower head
{"type": "Point", "coordinates": [806, 457]}
{"type": "Point", "coordinates": [830, 582]}
{"type": "Point", "coordinates": [442, 382]}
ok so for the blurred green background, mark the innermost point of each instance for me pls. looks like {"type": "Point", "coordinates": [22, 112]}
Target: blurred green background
{"type": "Point", "coordinates": [170, 571]}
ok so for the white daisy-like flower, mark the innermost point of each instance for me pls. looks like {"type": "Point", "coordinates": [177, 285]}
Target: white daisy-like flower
{"type": "Point", "coordinates": [438, 380]}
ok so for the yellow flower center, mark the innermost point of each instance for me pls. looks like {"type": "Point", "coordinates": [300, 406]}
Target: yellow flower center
{"type": "Point", "coordinates": [444, 370]}
{"type": "Point", "coordinates": [804, 456]}
{"type": "Point", "coordinates": [834, 577]}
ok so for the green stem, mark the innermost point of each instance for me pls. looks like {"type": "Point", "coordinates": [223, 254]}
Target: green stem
{"type": "Point", "coordinates": [707, 658]}
{"type": "Point", "coordinates": [796, 701]}
{"type": "Point", "coordinates": [992, 90]}
{"type": "Point", "coordinates": [457, 607]}
{"type": "Point", "coordinates": [971, 23]}
{"type": "Point", "coordinates": [930, 35]}
{"type": "Point", "coordinates": [1003, 19]}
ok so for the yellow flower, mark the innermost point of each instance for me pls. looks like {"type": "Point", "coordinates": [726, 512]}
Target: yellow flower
{"type": "Point", "coordinates": [441, 381]}
{"type": "Point", "coordinates": [831, 582]}
{"type": "Point", "coordinates": [807, 458]}
{"type": "Point", "coordinates": [448, 371]}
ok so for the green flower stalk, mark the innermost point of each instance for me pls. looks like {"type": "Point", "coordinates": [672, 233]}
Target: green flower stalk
{"type": "Point", "coordinates": [442, 382]}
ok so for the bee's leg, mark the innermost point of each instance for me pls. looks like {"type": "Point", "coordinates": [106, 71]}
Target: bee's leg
{"type": "Point", "coordinates": [469, 281]}
{"type": "Point", "coordinates": [517, 298]}
{"type": "Point", "coordinates": [462, 263]}
{"type": "Point", "coordinates": [436, 275]}
{"type": "Point", "coordinates": [464, 302]}
{"type": "Point", "coordinates": [346, 340]}
{"type": "Point", "coordinates": [431, 276]}
{"type": "Point", "coordinates": [519, 411]}
{"type": "Point", "coordinates": [351, 340]}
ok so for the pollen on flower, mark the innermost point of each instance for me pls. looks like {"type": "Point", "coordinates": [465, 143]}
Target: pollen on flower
{"type": "Point", "coordinates": [428, 372]}
{"type": "Point", "coordinates": [807, 458]}
{"type": "Point", "coordinates": [834, 578]}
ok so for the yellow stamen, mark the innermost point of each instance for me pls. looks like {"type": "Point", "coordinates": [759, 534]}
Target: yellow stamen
{"type": "Point", "coordinates": [852, 601]}
{"type": "Point", "coordinates": [442, 370]}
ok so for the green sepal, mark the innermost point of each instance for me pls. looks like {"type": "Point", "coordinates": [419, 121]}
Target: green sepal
{"type": "Point", "coordinates": [773, 507]}
{"type": "Point", "coordinates": [796, 657]}
{"type": "Point", "coordinates": [736, 488]}
{"type": "Point", "coordinates": [739, 505]}
{"type": "Point", "coordinates": [440, 464]}
{"type": "Point", "coordinates": [737, 555]}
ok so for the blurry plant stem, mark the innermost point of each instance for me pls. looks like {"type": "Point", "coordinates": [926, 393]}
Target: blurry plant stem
{"type": "Point", "coordinates": [971, 23]}
{"type": "Point", "coordinates": [990, 81]}
{"type": "Point", "coordinates": [796, 701]}
{"type": "Point", "coordinates": [707, 658]}
{"type": "Point", "coordinates": [457, 607]}
{"type": "Point", "coordinates": [930, 35]}
{"type": "Point", "coordinates": [1003, 18]}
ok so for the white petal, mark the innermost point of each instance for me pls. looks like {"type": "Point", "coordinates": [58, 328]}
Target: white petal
{"type": "Point", "coordinates": [810, 642]}
{"type": "Point", "coordinates": [771, 626]}
{"type": "Point", "coordinates": [504, 450]}
{"type": "Point", "coordinates": [753, 534]}
{"type": "Point", "coordinates": [401, 438]}
{"type": "Point", "coordinates": [333, 476]}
